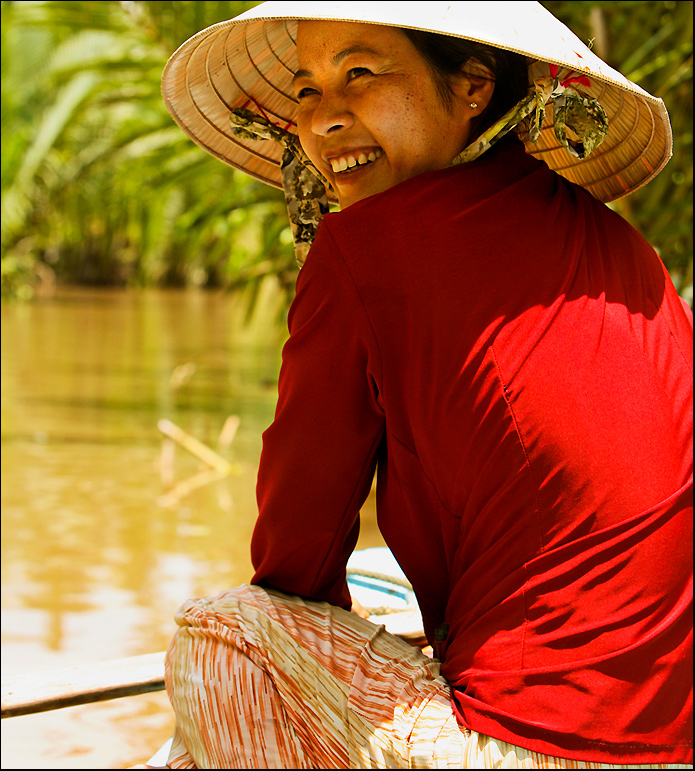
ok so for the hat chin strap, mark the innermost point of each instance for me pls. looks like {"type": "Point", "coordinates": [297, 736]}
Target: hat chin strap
{"type": "Point", "coordinates": [303, 184]}
{"type": "Point", "coordinates": [579, 121]}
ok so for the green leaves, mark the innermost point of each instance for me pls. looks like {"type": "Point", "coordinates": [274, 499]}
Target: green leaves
{"type": "Point", "coordinates": [651, 43]}
{"type": "Point", "coordinates": [98, 183]}
{"type": "Point", "coordinates": [100, 186]}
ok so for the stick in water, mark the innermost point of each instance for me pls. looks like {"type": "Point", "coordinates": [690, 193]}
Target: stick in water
{"type": "Point", "coordinates": [196, 448]}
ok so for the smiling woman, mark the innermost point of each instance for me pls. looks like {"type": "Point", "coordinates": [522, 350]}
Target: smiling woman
{"type": "Point", "coordinates": [507, 353]}
{"type": "Point", "coordinates": [365, 89]}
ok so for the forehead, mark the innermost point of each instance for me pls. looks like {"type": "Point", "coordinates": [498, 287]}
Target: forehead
{"type": "Point", "coordinates": [319, 42]}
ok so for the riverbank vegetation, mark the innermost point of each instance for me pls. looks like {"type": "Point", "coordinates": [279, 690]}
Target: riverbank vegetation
{"type": "Point", "coordinates": [101, 188]}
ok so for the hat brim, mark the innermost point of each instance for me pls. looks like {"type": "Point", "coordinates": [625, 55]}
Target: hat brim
{"type": "Point", "coordinates": [249, 61]}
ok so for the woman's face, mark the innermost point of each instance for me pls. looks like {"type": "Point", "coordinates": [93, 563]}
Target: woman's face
{"type": "Point", "coordinates": [369, 114]}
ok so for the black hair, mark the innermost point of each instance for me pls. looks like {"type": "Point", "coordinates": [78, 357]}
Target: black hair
{"type": "Point", "coordinates": [446, 54]}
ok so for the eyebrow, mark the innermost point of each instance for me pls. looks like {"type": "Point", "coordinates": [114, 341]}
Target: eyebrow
{"type": "Point", "coordinates": [356, 49]}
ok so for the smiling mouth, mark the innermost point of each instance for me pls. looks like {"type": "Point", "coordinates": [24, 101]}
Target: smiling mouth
{"type": "Point", "coordinates": [348, 163]}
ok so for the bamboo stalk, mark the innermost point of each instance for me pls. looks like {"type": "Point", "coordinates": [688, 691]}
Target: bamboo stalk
{"type": "Point", "coordinates": [196, 448]}
{"type": "Point", "coordinates": [82, 684]}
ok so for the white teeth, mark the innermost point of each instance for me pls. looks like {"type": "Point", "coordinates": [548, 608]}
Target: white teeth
{"type": "Point", "coordinates": [349, 162]}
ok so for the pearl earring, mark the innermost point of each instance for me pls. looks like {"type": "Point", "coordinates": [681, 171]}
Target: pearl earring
{"type": "Point", "coordinates": [473, 105]}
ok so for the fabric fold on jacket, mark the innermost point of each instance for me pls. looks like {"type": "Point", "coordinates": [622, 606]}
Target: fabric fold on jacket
{"type": "Point", "coordinates": [529, 402]}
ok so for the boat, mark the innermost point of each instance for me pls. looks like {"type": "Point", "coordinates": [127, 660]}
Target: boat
{"type": "Point", "coordinates": [377, 582]}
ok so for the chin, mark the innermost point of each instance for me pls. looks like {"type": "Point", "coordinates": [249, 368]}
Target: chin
{"type": "Point", "coordinates": [348, 200]}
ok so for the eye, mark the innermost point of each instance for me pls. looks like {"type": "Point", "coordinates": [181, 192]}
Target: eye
{"type": "Point", "coordinates": [306, 92]}
{"type": "Point", "coordinates": [358, 72]}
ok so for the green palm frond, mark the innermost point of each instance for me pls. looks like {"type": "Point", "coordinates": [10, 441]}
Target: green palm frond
{"type": "Point", "coordinates": [99, 183]}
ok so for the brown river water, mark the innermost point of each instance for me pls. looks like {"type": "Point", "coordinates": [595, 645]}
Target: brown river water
{"type": "Point", "coordinates": [107, 527]}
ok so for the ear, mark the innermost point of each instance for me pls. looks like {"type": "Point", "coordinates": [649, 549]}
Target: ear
{"type": "Point", "coordinates": [474, 82]}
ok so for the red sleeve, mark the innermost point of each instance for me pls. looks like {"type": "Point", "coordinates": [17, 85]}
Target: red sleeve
{"type": "Point", "coordinates": [319, 454]}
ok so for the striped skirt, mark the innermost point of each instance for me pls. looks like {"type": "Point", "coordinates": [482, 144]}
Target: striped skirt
{"type": "Point", "coordinates": [259, 679]}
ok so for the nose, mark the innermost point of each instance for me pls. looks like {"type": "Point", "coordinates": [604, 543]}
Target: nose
{"type": "Point", "coordinates": [330, 115]}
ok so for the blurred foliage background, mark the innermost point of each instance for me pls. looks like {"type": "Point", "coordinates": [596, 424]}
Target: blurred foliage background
{"type": "Point", "coordinates": [100, 187]}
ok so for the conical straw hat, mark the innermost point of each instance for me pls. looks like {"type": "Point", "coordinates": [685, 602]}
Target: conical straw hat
{"type": "Point", "coordinates": [249, 62]}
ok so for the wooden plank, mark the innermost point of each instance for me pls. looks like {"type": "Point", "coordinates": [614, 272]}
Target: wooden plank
{"type": "Point", "coordinates": [82, 684]}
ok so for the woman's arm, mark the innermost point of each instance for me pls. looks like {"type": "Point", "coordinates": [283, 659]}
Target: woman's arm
{"type": "Point", "coordinates": [320, 452]}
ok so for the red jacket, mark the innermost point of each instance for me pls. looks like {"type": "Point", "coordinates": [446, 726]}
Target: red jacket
{"type": "Point", "coordinates": [516, 358]}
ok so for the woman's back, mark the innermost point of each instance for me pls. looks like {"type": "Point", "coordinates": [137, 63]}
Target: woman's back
{"type": "Point", "coordinates": [537, 401]}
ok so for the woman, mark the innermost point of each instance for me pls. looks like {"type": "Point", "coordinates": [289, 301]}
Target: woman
{"type": "Point", "coordinates": [507, 352]}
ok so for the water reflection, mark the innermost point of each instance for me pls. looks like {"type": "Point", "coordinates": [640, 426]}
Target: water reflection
{"type": "Point", "coordinates": [104, 533]}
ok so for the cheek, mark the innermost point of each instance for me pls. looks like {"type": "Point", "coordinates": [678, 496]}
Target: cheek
{"type": "Point", "coordinates": [411, 120]}
{"type": "Point", "coordinates": [393, 121]}
{"type": "Point", "coordinates": [307, 139]}
{"type": "Point", "coordinates": [414, 132]}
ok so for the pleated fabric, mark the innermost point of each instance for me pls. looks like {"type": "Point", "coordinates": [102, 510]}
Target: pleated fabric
{"type": "Point", "coordinates": [260, 679]}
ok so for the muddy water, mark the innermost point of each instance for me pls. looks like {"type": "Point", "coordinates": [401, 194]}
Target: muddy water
{"type": "Point", "coordinates": [106, 526]}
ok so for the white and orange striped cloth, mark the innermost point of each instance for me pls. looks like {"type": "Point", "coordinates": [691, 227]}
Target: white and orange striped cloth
{"type": "Point", "coordinates": [259, 679]}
